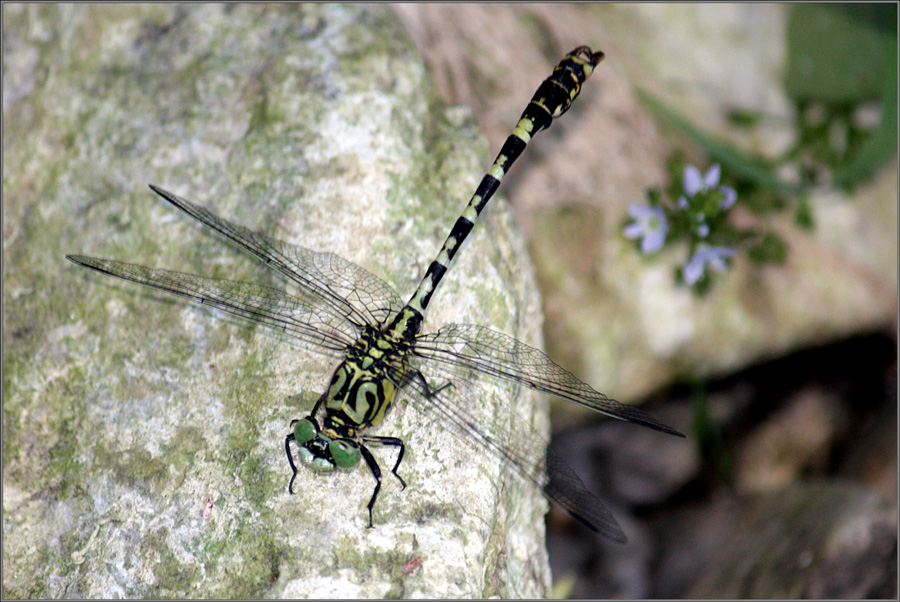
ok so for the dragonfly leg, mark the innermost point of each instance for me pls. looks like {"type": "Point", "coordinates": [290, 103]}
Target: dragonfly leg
{"type": "Point", "coordinates": [376, 472]}
{"type": "Point", "coordinates": [429, 390]}
{"type": "Point", "coordinates": [396, 442]}
{"type": "Point", "coordinates": [316, 407]}
{"type": "Point", "coordinates": [287, 449]}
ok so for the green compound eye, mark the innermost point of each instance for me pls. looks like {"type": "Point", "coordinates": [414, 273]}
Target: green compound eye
{"type": "Point", "coordinates": [344, 453]}
{"type": "Point", "coordinates": [304, 431]}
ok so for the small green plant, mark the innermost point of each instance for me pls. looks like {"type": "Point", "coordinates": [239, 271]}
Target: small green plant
{"type": "Point", "coordinates": [698, 215]}
{"type": "Point", "coordinates": [841, 74]}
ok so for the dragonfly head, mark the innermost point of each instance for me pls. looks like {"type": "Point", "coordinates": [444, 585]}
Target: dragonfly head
{"type": "Point", "coordinates": [321, 452]}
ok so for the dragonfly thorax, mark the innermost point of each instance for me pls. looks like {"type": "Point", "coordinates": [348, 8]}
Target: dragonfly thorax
{"type": "Point", "coordinates": [365, 384]}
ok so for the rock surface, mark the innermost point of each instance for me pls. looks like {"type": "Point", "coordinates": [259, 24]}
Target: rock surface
{"type": "Point", "coordinates": [143, 437]}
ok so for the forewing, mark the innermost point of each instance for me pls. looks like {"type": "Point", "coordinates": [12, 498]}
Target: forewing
{"type": "Point", "coordinates": [345, 288]}
{"type": "Point", "coordinates": [260, 304]}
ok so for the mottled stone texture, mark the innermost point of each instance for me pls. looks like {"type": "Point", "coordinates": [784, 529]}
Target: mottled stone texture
{"type": "Point", "coordinates": [143, 437]}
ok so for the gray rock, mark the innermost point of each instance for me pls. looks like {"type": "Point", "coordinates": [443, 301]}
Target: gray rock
{"type": "Point", "coordinates": [143, 437]}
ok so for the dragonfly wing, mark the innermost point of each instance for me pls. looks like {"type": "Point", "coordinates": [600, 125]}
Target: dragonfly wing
{"type": "Point", "coordinates": [564, 487]}
{"type": "Point", "coordinates": [490, 352]}
{"type": "Point", "coordinates": [462, 408]}
{"type": "Point", "coordinates": [347, 288]}
{"type": "Point", "coordinates": [259, 304]}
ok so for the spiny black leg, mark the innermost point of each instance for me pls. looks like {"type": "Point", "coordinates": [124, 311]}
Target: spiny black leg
{"type": "Point", "coordinates": [429, 392]}
{"type": "Point", "coordinates": [287, 449]}
{"type": "Point", "coordinates": [396, 442]}
{"type": "Point", "coordinates": [376, 472]}
{"type": "Point", "coordinates": [316, 407]}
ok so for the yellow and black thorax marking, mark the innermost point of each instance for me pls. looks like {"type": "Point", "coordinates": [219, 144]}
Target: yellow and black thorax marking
{"type": "Point", "coordinates": [365, 384]}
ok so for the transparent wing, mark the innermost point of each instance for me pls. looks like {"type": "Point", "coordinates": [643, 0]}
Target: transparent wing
{"type": "Point", "coordinates": [490, 352]}
{"type": "Point", "coordinates": [462, 407]}
{"type": "Point", "coordinates": [564, 487]}
{"type": "Point", "coordinates": [259, 304]}
{"type": "Point", "coordinates": [346, 288]}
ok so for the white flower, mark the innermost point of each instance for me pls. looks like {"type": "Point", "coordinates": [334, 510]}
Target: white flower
{"type": "Point", "coordinates": [713, 256]}
{"type": "Point", "coordinates": [650, 225]}
{"type": "Point", "coordinates": [695, 183]}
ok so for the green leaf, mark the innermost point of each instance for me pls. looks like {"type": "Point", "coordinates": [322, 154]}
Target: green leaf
{"type": "Point", "coordinates": [882, 145]}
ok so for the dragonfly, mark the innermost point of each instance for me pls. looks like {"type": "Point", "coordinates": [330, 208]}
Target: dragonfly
{"type": "Point", "coordinates": [338, 307]}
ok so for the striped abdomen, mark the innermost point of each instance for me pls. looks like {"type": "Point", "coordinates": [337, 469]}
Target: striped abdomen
{"type": "Point", "coordinates": [552, 99]}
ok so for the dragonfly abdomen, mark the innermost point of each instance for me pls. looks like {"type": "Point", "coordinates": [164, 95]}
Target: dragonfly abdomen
{"type": "Point", "coordinates": [553, 98]}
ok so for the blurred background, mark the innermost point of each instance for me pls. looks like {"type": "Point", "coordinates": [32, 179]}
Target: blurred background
{"type": "Point", "coordinates": [782, 369]}
{"type": "Point", "coordinates": [777, 359]}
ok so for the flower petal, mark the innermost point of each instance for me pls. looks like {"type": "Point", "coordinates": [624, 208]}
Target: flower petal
{"type": "Point", "coordinates": [693, 181]}
{"type": "Point", "coordinates": [653, 242]}
{"type": "Point", "coordinates": [711, 179]}
{"type": "Point", "coordinates": [633, 230]}
{"type": "Point", "coordinates": [694, 269]}
{"type": "Point", "coordinates": [641, 211]}
{"type": "Point", "coordinates": [718, 263]}
{"type": "Point", "coordinates": [730, 197]}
